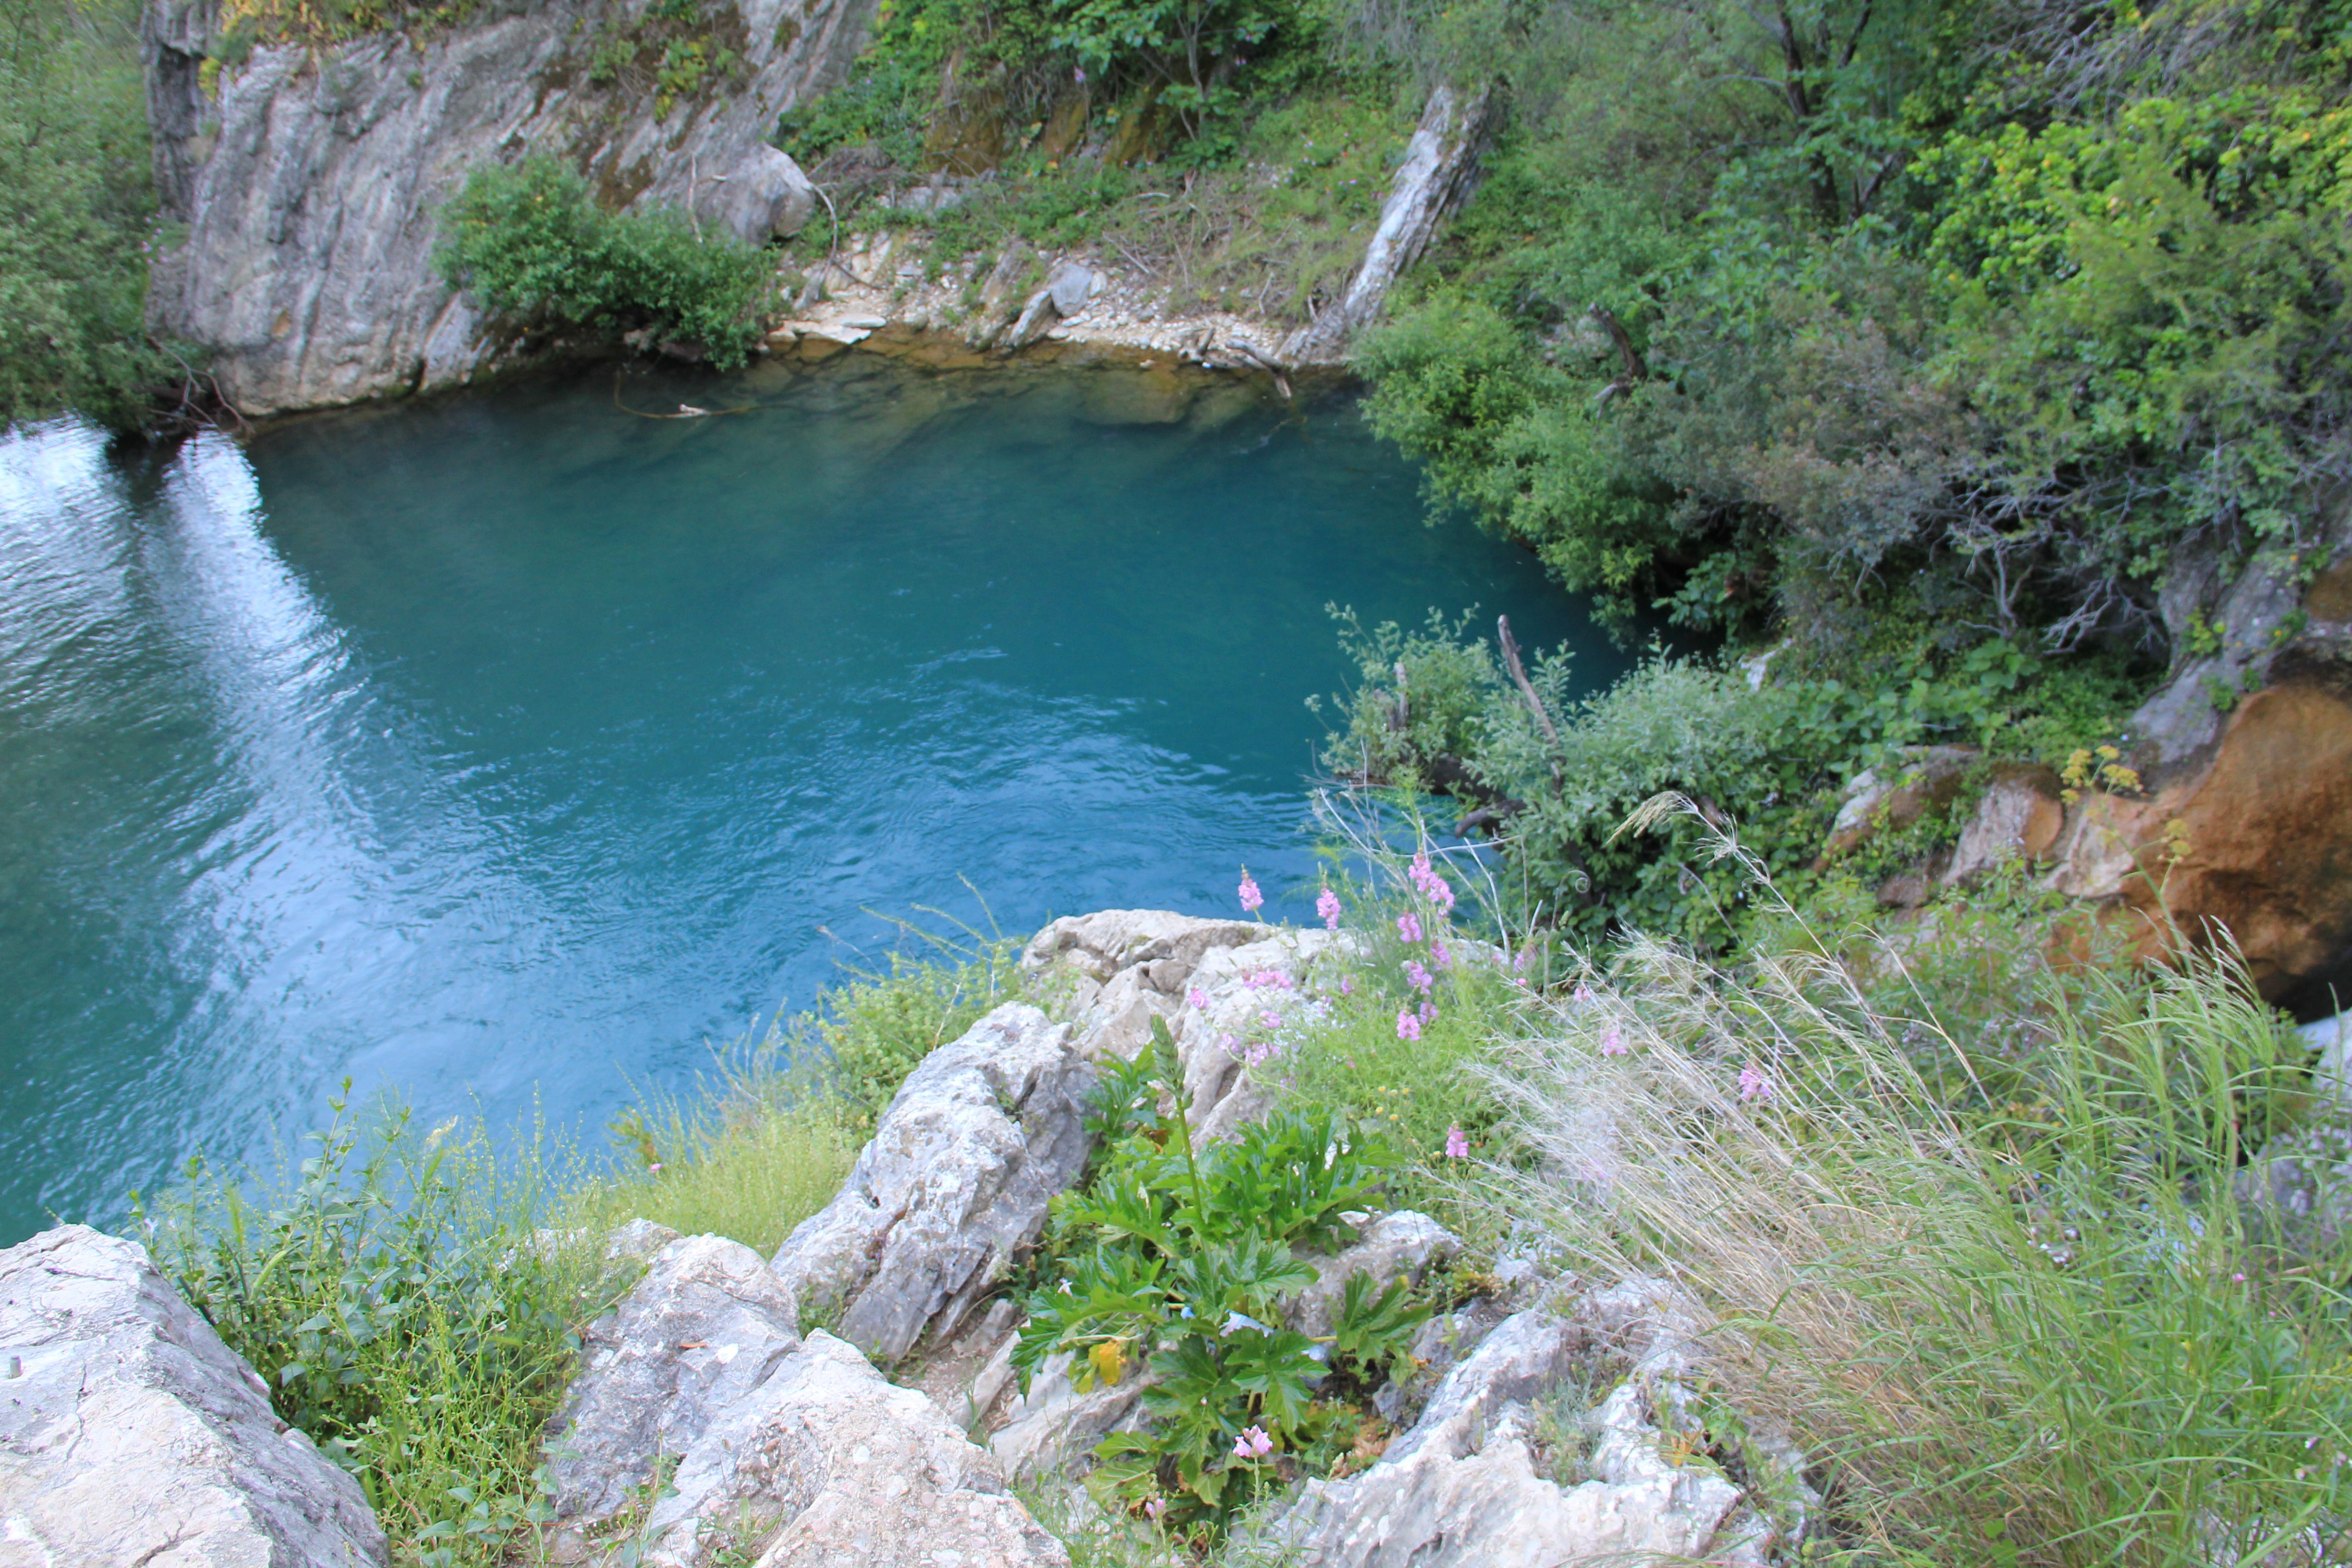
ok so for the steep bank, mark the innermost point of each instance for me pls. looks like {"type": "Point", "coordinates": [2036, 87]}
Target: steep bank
{"type": "Point", "coordinates": [308, 180]}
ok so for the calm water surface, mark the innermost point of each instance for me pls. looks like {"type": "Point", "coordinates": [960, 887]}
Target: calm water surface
{"type": "Point", "coordinates": [512, 745]}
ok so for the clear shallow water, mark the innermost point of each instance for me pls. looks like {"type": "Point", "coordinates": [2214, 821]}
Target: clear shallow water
{"type": "Point", "coordinates": [508, 745]}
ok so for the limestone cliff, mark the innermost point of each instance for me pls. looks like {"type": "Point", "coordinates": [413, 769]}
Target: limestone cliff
{"type": "Point", "coordinates": [308, 180]}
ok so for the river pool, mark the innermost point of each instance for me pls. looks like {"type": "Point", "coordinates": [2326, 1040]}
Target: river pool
{"type": "Point", "coordinates": [512, 745]}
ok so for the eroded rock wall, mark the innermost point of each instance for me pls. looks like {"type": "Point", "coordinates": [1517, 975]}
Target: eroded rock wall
{"type": "Point", "coordinates": [309, 187]}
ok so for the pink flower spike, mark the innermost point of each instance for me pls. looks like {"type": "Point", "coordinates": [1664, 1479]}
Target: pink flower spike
{"type": "Point", "coordinates": [1428, 1012]}
{"type": "Point", "coordinates": [1197, 999]}
{"type": "Point", "coordinates": [1409, 926]}
{"type": "Point", "coordinates": [2237, 1280]}
{"type": "Point", "coordinates": [1327, 904]}
{"type": "Point", "coordinates": [1251, 897]}
{"type": "Point", "coordinates": [1438, 955]}
{"type": "Point", "coordinates": [1613, 1041]}
{"type": "Point", "coordinates": [1416, 976]}
{"type": "Point", "coordinates": [1155, 1507]}
{"type": "Point", "coordinates": [1408, 1026]}
{"type": "Point", "coordinates": [1457, 1147]}
{"type": "Point", "coordinates": [1255, 1443]}
{"type": "Point", "coordinates": [1754, 1084]}
{"type": "Point", "coordinates": [1583, 997]}
{"type": "Point", "coordinates": [1347, 985]}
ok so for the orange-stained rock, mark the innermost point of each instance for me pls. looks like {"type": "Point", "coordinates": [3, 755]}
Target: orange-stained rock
{"type": "Point", "coordinates": [2019, 816]}
{"type": "Point", "coordinates": [2258, 843]}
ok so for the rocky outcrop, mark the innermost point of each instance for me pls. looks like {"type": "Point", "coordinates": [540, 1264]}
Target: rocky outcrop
{"type": "Point", "coordinates": [129, 1434]}
{"type": "Point", "coordinates": [704, 1328]}
{"type": "Point", "coordinates": [953, 1184]}
{"type": "Point", "coordinates": [1483, 1481]}
{"type": "Point", "coordinates": [828, 1463]}
{"type": "Point", "coordinates": [1439, 172]}
{"type": "Point", "coordinates": [309, 188]}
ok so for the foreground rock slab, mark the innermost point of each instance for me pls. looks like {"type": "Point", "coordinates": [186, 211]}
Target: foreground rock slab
{"type": "Point", "coordinates": [691, 1342]}
{"type": "Point", "coordinates": [953, 1183]}
{"type": "Point", "coordinates": [131, 1434]}
{"type": "Point", "coordinates": [1479, 1483]}
{"type": "Point", "coordinates": [829, 1464]}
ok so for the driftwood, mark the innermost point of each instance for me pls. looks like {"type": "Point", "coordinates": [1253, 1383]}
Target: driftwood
{"type": "Point", "coordinates": [1634, 371]}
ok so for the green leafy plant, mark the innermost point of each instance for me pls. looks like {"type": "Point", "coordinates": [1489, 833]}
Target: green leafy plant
{"type": "Point", "coordinates": [1182, 1257]}
{"type": "Point", "coordinates": [405, 1313]}
{"type": "Point", "coordinates": [532, 244]}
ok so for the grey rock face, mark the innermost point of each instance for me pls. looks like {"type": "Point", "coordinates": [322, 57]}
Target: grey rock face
{"type": "Point", "coordinates": [134, 1435]}
{"type": "Point", "coordinates": [703, 1328]}
{"type": "Point", "coordinates": [1053, 1425]}
{"type": "Point", "coordinates": [1474, 1483]}
{"type": "Point", "coordinates": [827, 1463]}
{"type": "Point", "coordinates": [1399, 1245]}
{"type": "Point", "coordinates": [309, 190]}
{"type": "Point", "coordinates": [954, 1181]}
{"type": "Point", "coordinates": [1439, 172]}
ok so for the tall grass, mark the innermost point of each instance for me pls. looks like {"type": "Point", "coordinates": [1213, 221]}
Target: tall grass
{"type": "Point", "coordinates": [2044, 1330]}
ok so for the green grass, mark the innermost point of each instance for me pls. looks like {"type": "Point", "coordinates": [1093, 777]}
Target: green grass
{"type": "Point", "coordinates": [2036, 1329]}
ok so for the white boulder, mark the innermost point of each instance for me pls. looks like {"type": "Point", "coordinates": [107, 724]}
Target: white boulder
{"type": "Point", "coordinates": [704, 1328]}
{"type": "Point", "coordinates": [955, 1181]}
{"type": "Point", "coordinates": [131, 1435]}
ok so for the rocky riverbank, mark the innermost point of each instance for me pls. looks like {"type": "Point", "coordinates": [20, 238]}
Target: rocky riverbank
{"type": "Point", "coordinates": [714, 1420]}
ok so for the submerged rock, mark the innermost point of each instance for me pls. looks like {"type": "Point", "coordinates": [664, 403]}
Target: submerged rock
{"type": "Point", "coordinates": [129, 1434]}
{"type": "Point", "coordinates": [704, 1328]}
{"type": "Point", "coordinates": [955, 1182]}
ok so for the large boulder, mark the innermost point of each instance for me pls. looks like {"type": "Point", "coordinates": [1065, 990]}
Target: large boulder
{"type": "Point", "coordinates": [1229, 990]}
{"type": "Point", "coordinates": [2241, 828]}
{"type": "Point", "coordinates": [828, 1463]}
{"type": "Point", "coordinates": [303, 184]}
{"type": "Point", "coordinates": [705, 1327]}
{"type": "Point", "coordinates": [953, 1184]}
{"type": "Point", "coordinates": [1480, 1481]}
{"type": "Point", "coordinates": [131, 1435]}
{"type": "Point", "coordinates": [1053, 1426]}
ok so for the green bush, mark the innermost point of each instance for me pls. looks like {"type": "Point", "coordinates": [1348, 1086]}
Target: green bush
{"type": "Point", "coordinates": [1183, 1253]}
{"type": "Point", "coordinates": [1771, 756]}
{"type": "Point", "coordinates": [532, 244]}
{"type": "Point", "coordinates": [77, 210]}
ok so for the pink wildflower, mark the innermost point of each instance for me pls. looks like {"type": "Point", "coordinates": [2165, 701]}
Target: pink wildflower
{"type": "Point", "coordinates": [1271, 979]}
{"type": "Point", "coordinates": [1347, 985]}
{"type": "Point", "coordinates": [1251, 897]}
{"type": "Point", "coordinates": [1270, 1018]}
{"type": "Point", "coordinates": [1408, 1026]}
{"type": "Point", "coordinates": [1754, 1084]}
{"type": "Point", "coordinates": [1428, 1012]}
{"type": "Point", "coordinates": [1457, 1147]}
{"type": "Point", "coordinates": [1613, 1041]}
{"type": "Point", "coordinates": [1254, 1444]}
{"type": "Point", "coordinates": [1197, 999]}
{"type": "Point", "coordinates": [1327, 904]}
{"type": "Point", "coordinates": [1438, 955]}
{"type": "Point", "coordinates": [1583, 997]}
{"type": "Point", "coordinates": [1155, 1507]}
{"type": "Point", "coordinates": [1416, 976]}
{"type": "Point", "coordinates": [1409, 926]}
{"type": "Point", "coordinates": [1521, 959]}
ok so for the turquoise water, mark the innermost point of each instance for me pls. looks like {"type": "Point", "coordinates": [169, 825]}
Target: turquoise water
{"type": "Point", "coordinates": [510, 745]}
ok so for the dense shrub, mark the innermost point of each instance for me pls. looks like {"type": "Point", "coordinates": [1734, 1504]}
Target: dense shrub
{"type": "Point", "coordinates": [76, 210]}
{"type": "Point", "coordinates": [1435, 710]}
{"type": "Point", "coordinates": [2012, 309]}
{"type": "Point", "coordinates": [532, 244]}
